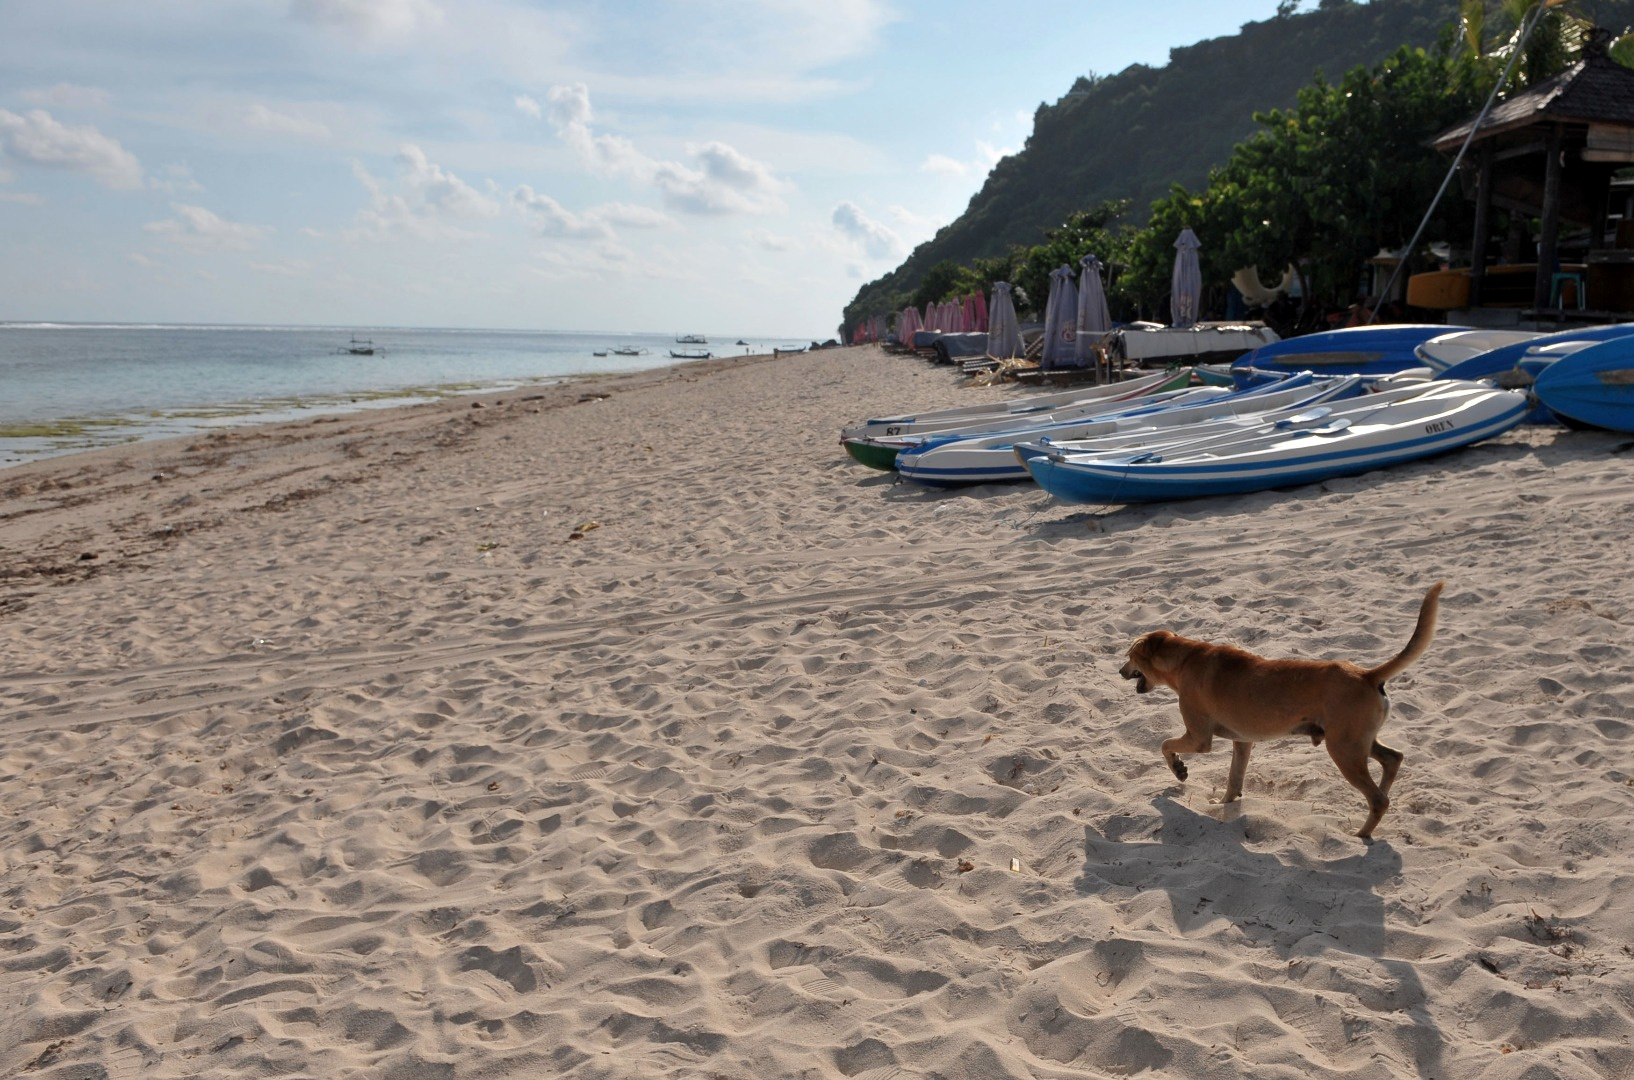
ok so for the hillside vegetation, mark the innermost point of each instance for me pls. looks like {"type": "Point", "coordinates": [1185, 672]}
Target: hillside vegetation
{"type": "Point", "coordinates": [1122, 142]}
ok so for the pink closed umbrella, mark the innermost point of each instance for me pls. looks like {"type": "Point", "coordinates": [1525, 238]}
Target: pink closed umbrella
{"type": "Point", "coordinates": [981, 311]}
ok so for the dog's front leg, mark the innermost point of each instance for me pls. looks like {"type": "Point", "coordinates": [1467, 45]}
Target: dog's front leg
{"type": "Point", "coordinates": [1239, 768]}
{"type": "Point", "coordinates": [1198, 739]}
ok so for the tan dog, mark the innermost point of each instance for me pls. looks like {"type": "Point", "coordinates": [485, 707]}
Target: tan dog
{"type": "Point", "coordinates": [1236, 695]}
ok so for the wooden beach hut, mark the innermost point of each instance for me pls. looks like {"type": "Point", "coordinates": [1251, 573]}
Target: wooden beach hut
{"type": "Point", "coordinates": [1551, 152]}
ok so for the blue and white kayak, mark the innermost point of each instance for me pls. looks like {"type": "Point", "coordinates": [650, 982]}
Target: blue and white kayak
{"type": "Point", "coordinates": [1505, 358]}
{"type": "Point", "coordinates": [1017, 409]}
{"type": "Point", "coordinates": [1353, 350]}
{"type": "Point", "coordinates": [985, 459]}
{"type": "Point", "coordinates": [1349, 437]}
{"type": "Point", "coordinates": [1450, 349]}
{"type": "Point", "coordinates": [1593, 386]}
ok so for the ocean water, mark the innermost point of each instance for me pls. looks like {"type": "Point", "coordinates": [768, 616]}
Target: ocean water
{"type": "Point", "coordinates": [66, 387]}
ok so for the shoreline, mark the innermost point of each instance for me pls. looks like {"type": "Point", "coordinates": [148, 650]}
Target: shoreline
{"type": "Point", "coordinates": [27, 441]}
{"type": "Point", "coordinates": [631, 729]}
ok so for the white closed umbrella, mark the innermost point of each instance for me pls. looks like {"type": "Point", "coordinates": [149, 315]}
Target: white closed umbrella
{"type": "Point", "coordinates": [1093, 317]}
{"type": "Point", "coordinates": [1186, 291]}
{"type": "Point", "coordinates": [1061, 321]}
{"type": "Point", "coordinates": [1003, 332]}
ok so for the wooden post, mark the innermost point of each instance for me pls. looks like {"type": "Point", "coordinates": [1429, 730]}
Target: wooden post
{"type": "Point", "coordinates": [1483, 224]}
{"type": "Point", "coordinates": [1548, 241]}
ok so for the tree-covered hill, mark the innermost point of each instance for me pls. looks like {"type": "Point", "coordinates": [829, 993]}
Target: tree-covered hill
{"type": "Point", "coordinates": [1132, 135]}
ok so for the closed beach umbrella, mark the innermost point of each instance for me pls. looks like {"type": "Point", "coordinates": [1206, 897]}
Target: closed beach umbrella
{"type": "Point", "coordinates": [981, 312]}
{"type": "Point", "coordinates": [1061, 321]}
{"type": "Point", "coordinates": [1003, 333]}
{"type": "Point", "coordinates": [1093, 317]}
{"type": "Point", "coordinates": [1186, 295]}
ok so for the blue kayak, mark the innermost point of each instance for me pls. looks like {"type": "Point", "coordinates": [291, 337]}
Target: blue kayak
{"type": "Point", "coordinates": [1505, 358]}
{"type": "Point", "coordinates": [1354, 350]}
{"type": "Point", "coordinates": [1350, 437]}
{"type": "Point", "coordinates": [1593, 386]}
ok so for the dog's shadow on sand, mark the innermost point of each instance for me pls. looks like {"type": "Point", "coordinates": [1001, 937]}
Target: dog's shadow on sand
{"type": "Point", "coordinates": [1308, 913]}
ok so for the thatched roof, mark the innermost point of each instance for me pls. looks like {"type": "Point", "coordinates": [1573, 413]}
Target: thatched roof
{"type": "Point", "coordinates": [1595, 90]}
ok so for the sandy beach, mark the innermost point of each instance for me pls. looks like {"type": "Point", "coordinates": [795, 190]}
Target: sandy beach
{"type": "Point", "coordinates": [627, 729]}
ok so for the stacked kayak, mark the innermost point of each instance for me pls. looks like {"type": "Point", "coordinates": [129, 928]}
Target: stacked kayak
{"type": "Point", "coordinates": [947, 461]}
{"type": "Point", "coordinates": [1353, 436]}
{"type": "Point", "coordinates": [876, 442]}
{"type": "Point", "coordinates": [1033, 405]}
{"type": "Point", "coordinates": [1354, 350]}
{"type": "Point", "coordinates": [1592, 385]}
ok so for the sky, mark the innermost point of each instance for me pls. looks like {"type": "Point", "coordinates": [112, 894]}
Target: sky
{"type": "Point", "coordinates": [739, 166]}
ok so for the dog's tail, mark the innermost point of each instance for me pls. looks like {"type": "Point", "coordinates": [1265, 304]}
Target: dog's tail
{"type": "Point", "coordinates": [1423, 634]}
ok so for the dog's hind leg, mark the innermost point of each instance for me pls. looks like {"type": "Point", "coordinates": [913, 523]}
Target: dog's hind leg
{"type": "Point", "coordinates": [1390, 760]}
{"type": "Point", "coordinates": [1239, 768]}
{"type": "Point", "coordinates": [1352, 761]}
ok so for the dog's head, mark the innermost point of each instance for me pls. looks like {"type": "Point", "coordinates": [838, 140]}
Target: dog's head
{"type": "Point", "coordinates": [1145, 662]}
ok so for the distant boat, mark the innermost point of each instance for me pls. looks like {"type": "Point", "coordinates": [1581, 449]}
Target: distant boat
{"type": "Point", "coordinates": [359, 347]}
{"type": "Point", "coordinates": [629, 350]}
{"type": "Point", "coordinates": [692, 339]}
{"type": "Point", "coordinates": [787, 352]}
{"type": "Point", "coordinates": [598, 352]}
{"type": "Point", "coordinates": [742, 342]}
{"type": "Point", "coordinates": [689, 354]}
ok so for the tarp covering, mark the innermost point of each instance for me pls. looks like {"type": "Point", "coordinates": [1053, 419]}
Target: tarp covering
{"type": "Point", "coordinates": [1093, 317]}
{"type": "Point", "coordinates": [1061, 321]}
{"type": "Point", "coordinates": [1003, 331]}
{"type": "Point", "coordinates": [954, 347]}
{"type": "Point", "coordinates": [1186, 291]}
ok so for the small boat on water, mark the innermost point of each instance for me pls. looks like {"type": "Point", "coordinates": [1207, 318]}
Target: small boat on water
{"type": "Point", "coordinates": [691, 339]}
{"type": "Point", "coordinates": [690, 354]}
{"type": "Point", "coordinates": [1593, 386]}
{"type": "Point", "coordinates": [360, 347]}
{"type": "Point", "coordinates": [598, 352]}
{"type": "Point", "coordinates": [1344, 439]}
{"type": "Point", "coordinates": [629, 350]}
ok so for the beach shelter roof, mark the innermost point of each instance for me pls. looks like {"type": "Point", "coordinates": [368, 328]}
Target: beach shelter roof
{"type": "Point", "coordinates": [1093, 317]}
{"type": "Point", "coordinates": [1061, 321]}
{"type": "Point", "coordinates": [1186, 289]}
{"type": "Point", "coordinates": [1003, 332]}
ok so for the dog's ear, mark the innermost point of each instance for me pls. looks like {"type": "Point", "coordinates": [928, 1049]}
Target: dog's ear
{"type": "Point", "coordinates": [1151, 645]}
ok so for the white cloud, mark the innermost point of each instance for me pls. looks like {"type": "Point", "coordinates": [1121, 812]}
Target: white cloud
{"type": "Point", "coordinates": [552, 219]}
{"type": "Point", "coordinates": [177, 178]}
{"type": "Point", "coordinates": [143, 261]}
{"type": "Point", "coordinates": [262, 118]}
{"type": "Point", "coordinates": [876, 239]}
{"type": "Point", "coordinates": [199, 231]}
{"type": "Point", "coordinates": [771, 241]}
{"type": "Point", "coordinates": [383, 18]}
{"type": "Point", "coordinates": [942, 165]}
{"type": "Point", "coordinates": [69, 96]}
{"type": "Point", "coordinates": [433, 198]}
{"type": "Point", "coordinates": [291, 268]}
{"type": "Point", "coordinates": [440, 191]}
{"type": "Point", "coordinates": [529, 106]}
{"type": "Point", "coordinates": [721, 179]}
{"type": "Point", "coordinates": [987, 156]}
{"type": "Point", "coordinates": [42, 140]}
